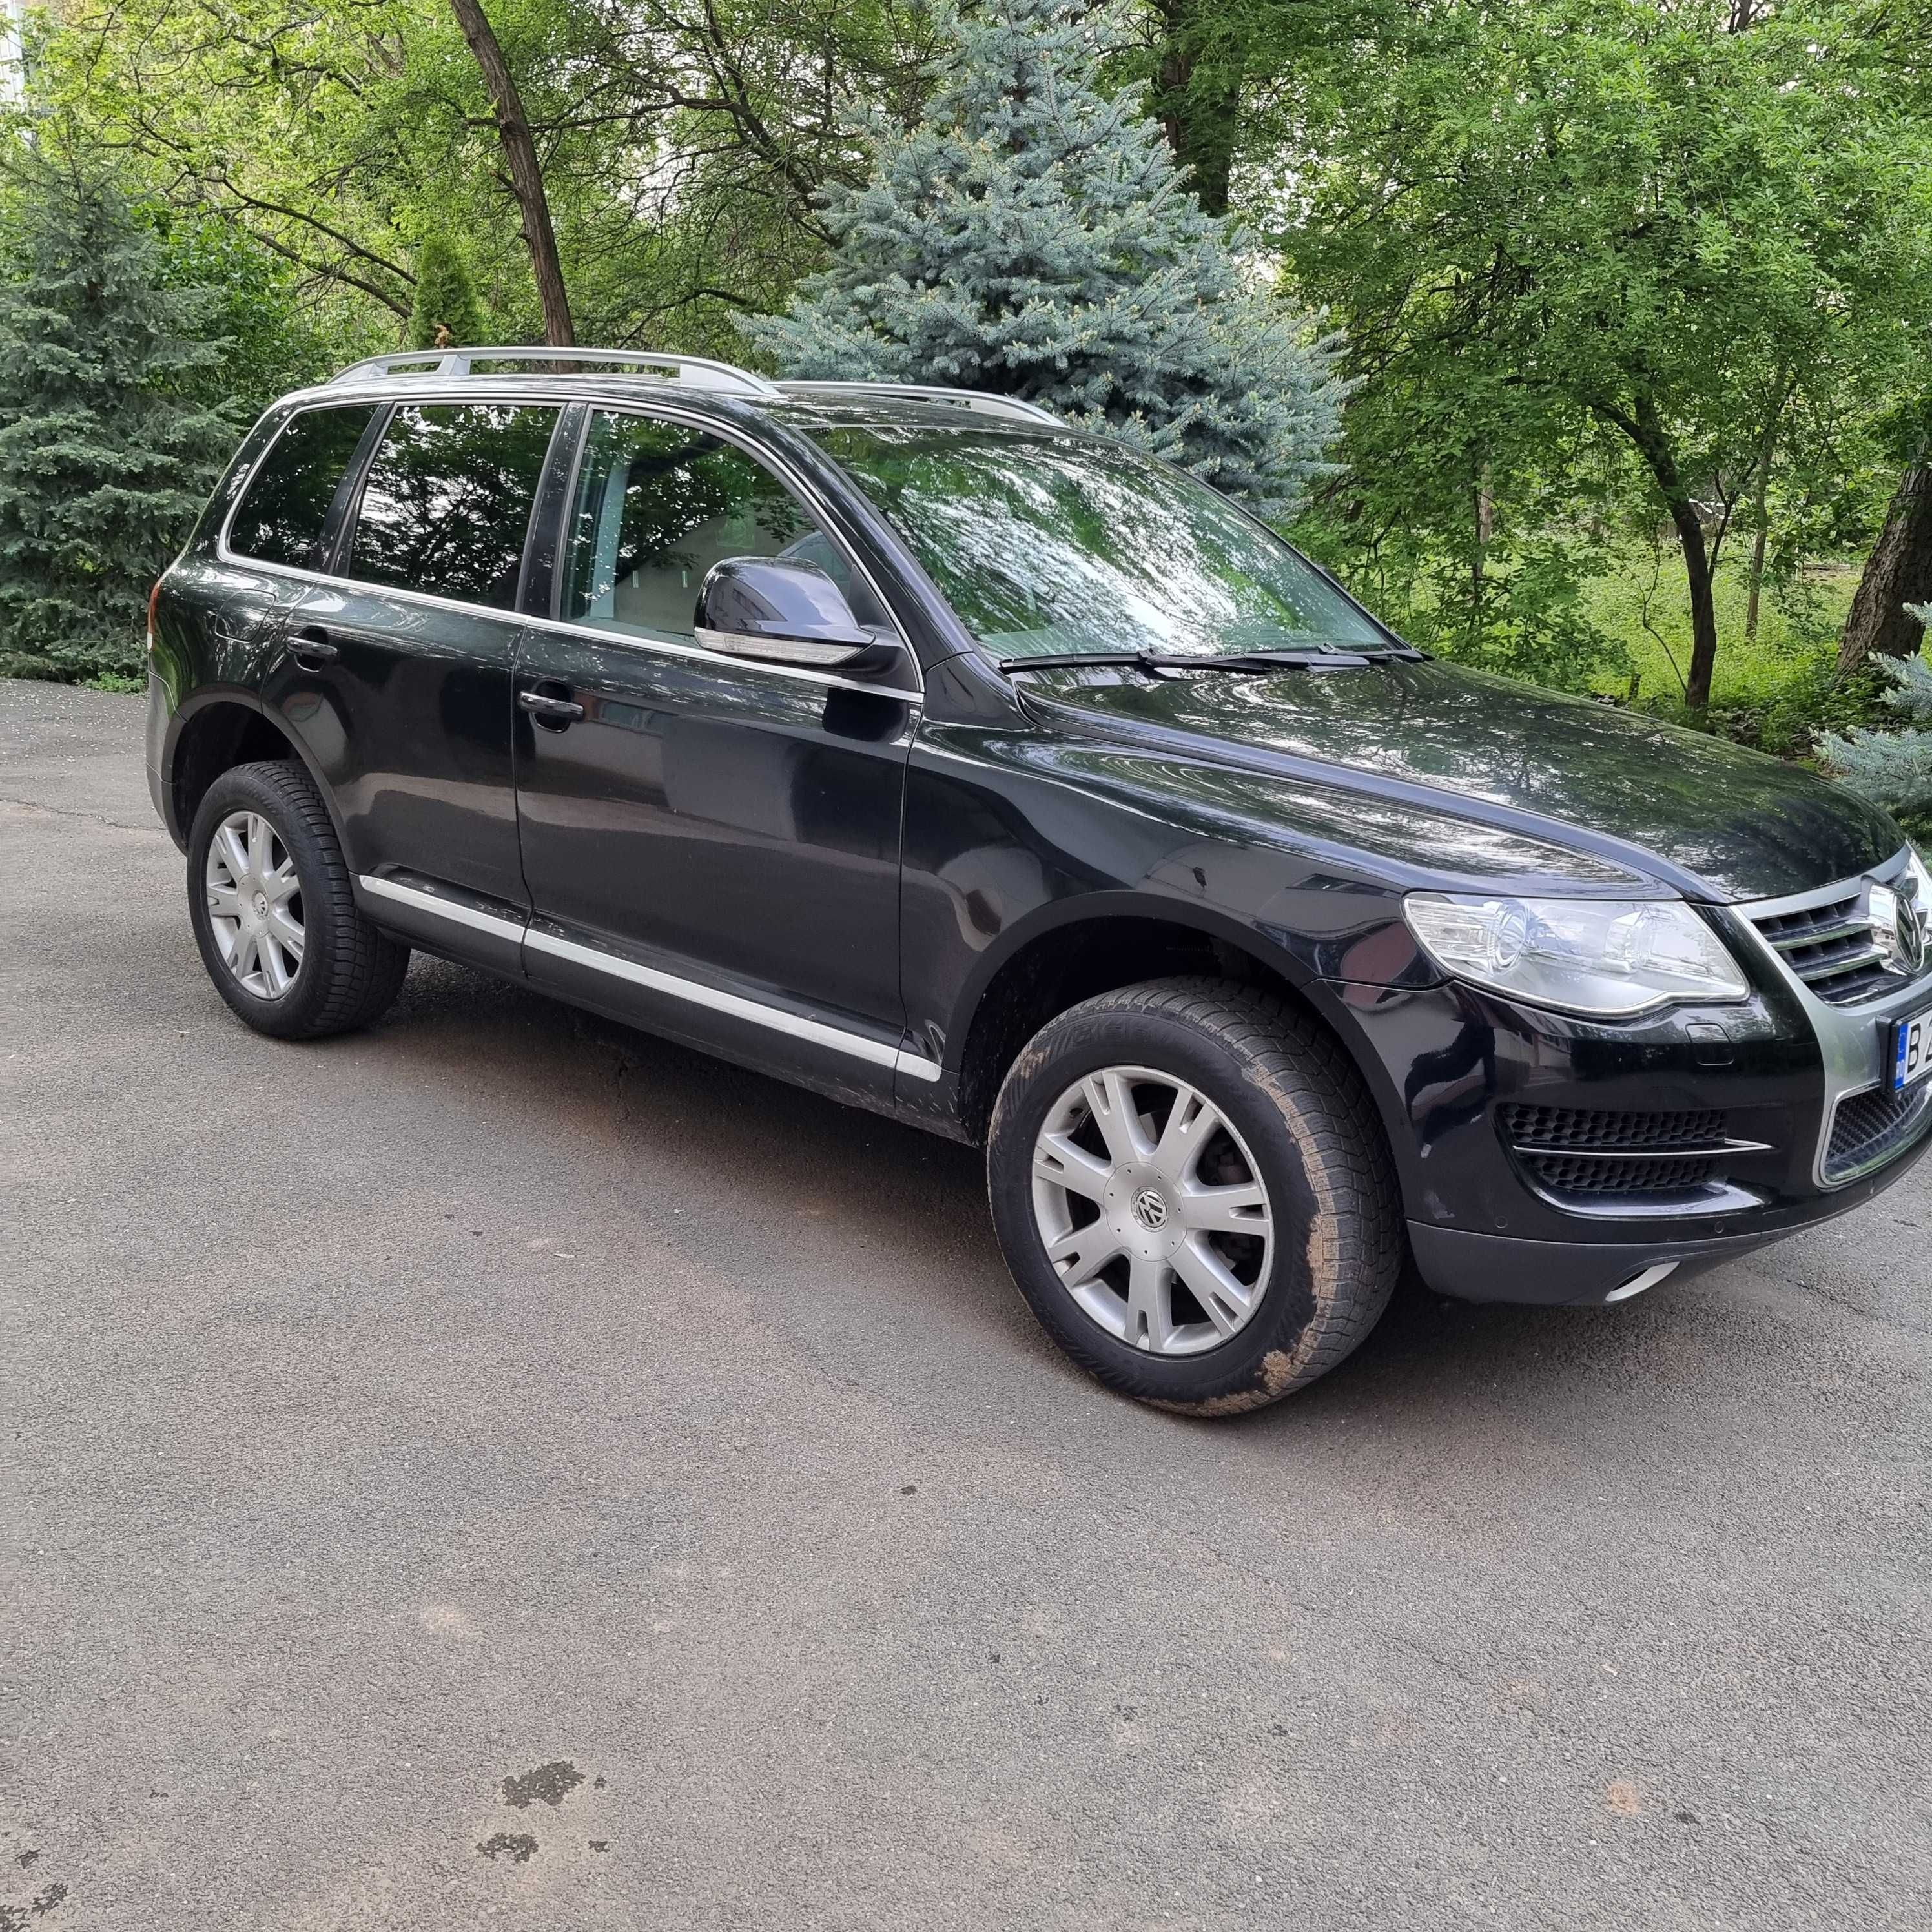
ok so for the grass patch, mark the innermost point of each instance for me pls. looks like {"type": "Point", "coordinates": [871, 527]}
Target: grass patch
{"type": "Point", "coordinates": [1777, 691]}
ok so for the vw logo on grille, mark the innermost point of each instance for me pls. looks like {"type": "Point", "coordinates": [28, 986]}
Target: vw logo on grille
{"type": "Point", "coordinates": [1898, 925]}
{"type": "Point", "coordinates": [1911, 934]}
{"type": "Point", "coordinates": [1150, 1209]}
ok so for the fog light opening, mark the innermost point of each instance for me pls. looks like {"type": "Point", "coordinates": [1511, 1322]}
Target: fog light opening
{"type": "Point", "coordinates": [1637, 1283]}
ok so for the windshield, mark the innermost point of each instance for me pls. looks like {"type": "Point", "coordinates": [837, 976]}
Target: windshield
{"type": "Point", "coordinates": [1048, 545]}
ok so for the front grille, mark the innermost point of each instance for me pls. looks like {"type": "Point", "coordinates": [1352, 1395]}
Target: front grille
{"type": "Point", "coordinates": [1869, 1126]}
{"type": "Point", "coordinates": [1575, 1174]}
{"type": "Point", "coordinates": [1601, 1152]}
{"type": "Point", "coordinates": [1605, 1131]}
{"type": "Point", "coordinates": [1830, 947]}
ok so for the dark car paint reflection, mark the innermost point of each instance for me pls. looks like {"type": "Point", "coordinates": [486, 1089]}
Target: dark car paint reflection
{"type": "Point", "coordinates": [1750, 826]}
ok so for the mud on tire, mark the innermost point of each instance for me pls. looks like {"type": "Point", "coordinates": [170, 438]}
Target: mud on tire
{"type": "Point", "coordinates": [1296, 1108]}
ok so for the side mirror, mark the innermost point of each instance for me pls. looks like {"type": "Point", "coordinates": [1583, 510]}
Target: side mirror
{"type": "Point", "coordinates": [785, 611]}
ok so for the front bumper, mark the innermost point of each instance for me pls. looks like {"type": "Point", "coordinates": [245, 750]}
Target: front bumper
{"type": "Point", "coordinates": [1544, 1158]}
{"type": "Point", "coordinates": [1583, 1273]}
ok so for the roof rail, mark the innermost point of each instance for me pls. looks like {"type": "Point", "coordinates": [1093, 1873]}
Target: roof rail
{"type": "Point", "coordinates": [693, 372]}
{"type": "Point", "coordinates": [980, 401]}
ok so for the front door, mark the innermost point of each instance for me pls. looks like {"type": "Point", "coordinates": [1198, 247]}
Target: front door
{"type": "Point", "coordinates": [398, 670]}
{"type": "Point", "coordinates": [711, 845]}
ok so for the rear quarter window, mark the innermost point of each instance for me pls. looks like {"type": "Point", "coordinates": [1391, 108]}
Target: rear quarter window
{"type": "Point", "coordinates": [283, 511]}
{"type": "Point", "coordinates": [447, 506]}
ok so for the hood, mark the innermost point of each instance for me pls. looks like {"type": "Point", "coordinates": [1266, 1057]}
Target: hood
{"type": "Point", "coordinates": [1713, 820]}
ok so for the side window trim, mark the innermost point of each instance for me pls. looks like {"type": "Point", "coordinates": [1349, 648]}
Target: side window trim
{"type": "Point", "coordinates": [539, 588]}
{"type": "Point", "coordinates": [795, 486]}
{"type": "Point", "coordinates": [327, 570]}
{"type": "Point", "coordinates": [340, 525]}
{"type": "Point", "coordinates": [239, 482]}
{"type": "Point", "coordinates": [240, 486]}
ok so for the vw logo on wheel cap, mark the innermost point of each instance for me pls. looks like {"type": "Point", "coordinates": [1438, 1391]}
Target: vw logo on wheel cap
{"type": "Point", "coordinates": [1150, 1208]}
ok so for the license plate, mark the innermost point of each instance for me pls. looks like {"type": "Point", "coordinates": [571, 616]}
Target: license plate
{"type": "Point", "coordinates": [1911, 1050]}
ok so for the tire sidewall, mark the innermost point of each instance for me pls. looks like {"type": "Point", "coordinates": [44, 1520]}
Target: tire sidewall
{"type": "Point", "coordinates": [248, 790]}
{"type": "Point", "coordinates": [1272, 1120]}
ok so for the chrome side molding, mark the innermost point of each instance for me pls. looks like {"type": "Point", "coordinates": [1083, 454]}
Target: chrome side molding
{"type": "Point", "coordinates": [877, 1052]}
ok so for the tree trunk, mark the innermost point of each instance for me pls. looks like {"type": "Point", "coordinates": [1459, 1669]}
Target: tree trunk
{"type": "Point", "coordinates": [1703, 608]}
{"type": "Point", "coordinates": [1197, 112]}
{"type": "Point", "coordinates": [1645, 427]}
{"type": "Point", "coordinates": [1755, 580]}
{"type": "Point", "coordinates": [1767, 448]}
{"type": "Point", "coordinates": [1898, 572]}
{"type": "Point", "coordinates": [519, 153]}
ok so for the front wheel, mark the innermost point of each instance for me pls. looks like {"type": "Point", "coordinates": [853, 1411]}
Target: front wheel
{"type": "Point", "coordinates": [274, 913]}
{"type": "Point", "coordinates": [1193, 1193]}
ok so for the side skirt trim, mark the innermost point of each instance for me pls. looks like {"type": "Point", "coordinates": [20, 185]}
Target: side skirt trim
{"type": "Point", "coordinates": [450, 909]}
{"type": "Point", "coordinates": [836, 1038]}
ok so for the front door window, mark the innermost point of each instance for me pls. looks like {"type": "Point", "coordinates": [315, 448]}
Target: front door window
{"type": "Point", "coordinates": [656, 506]}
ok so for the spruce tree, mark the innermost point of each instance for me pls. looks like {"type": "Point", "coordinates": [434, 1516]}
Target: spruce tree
{"type": "Point", "coordinates": [1032, 237]}
{"type": "Point", "coordinates": [109, 445]}
{"type": "Point", "coordinates": [446, 315]}
{"type": "Point", "coordinates": [1894, 769]}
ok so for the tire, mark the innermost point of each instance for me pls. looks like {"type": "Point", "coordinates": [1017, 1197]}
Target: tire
{"type": "Point", "coordinates": [1321, 1253]}
{"type": "Point", "coordinates": [347, 974]}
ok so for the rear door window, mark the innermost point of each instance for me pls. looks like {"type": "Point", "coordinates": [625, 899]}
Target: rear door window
{"type": "Point", "coordinates": [447, 505]}
{"type": "Point", "coordinates": [281, 518]}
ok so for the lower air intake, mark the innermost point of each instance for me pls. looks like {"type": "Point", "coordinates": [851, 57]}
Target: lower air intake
{"type": "Point", "coordinates": [1869, 1128]}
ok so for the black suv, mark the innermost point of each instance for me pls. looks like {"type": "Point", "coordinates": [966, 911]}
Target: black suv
{"type": "Point", "coordinates": [908, 745]}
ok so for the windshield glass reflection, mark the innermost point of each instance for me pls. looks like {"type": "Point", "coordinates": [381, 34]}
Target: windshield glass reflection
{"type": "Point", "coordinates": [1048, 544]}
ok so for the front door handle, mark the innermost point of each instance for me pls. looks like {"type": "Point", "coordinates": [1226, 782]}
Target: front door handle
{"type": "Point", "coordinates": [312, 647]}
{"type": "Point", "coordinates": [556, 712]}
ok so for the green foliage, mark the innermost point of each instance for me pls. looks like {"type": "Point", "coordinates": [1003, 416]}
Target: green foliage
{"type": "Point", "coordinates": [1894, 769]}
{"type": "Point", "coordinates": [108, 443]}
{"type": "Point", "coordinates": [272, 337]}
{"type": "Point", "coordinates": [1031, 237]}
{"type": "Point", "coordinates": [682, 142]}
{"type": "Point", "coordinates": [1594, 258]}
{"type": "Point", "coordinates": [445, 314]}
{"type": "Point", "coordinates": [1538, 225]}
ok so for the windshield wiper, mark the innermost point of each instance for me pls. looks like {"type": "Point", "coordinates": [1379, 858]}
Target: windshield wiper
{"type": "Point", "coordinates": [1074, 660]}
{"type": "Point", "coordinates": [1270, 661]}
{"type": "Point", "coordinates": [1152, 661]}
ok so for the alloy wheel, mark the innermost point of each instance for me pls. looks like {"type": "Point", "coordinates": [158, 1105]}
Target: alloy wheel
{"type": "Point", "coordinates": [1153, 1211]}
{"type": "Point", "coordinates": [254, 904]}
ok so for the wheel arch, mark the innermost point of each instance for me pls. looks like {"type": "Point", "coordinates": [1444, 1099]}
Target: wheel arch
{"type": "Point", "coordinates": [214, 732]}
{"type": "Point", "coordinates": [1078, 950]}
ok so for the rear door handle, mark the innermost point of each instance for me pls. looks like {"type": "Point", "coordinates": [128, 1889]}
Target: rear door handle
{"type": "Point", "coordinates": [312, 647]}
{"type": "Point", "coordinates": [558, 711]}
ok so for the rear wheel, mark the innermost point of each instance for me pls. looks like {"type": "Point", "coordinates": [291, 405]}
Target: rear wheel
{"type": "Point", "coordinates": [274, 913]}
{"type": "Point", "coordinates": [1192, 1193]}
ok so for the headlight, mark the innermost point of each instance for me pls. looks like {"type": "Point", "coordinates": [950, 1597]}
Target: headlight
{"type": "Point", "coordinates": [1608, 958]}
{"type": "Point", "coordinates": [1920, 880]}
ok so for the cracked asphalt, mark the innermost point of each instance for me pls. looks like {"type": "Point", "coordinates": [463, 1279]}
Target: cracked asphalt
{"type": "Point", "coordinates": [502, 1471]}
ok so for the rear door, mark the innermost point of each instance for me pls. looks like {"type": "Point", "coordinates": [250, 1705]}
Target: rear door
{"type": "Point", "coordinates": [396, 671]}
{"type": "Point", "coordinates": [712, 844]}
{"type": "Point", "coordinates": [242, 599]}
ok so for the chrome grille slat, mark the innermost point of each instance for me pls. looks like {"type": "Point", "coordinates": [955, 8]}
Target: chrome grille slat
{"type": "Point", "coordinates": [1828, 946]}
{"type": "Point", "coordinates": [1816, 969]}
{"type": "Point", "coordinates": [1847, 996]}
{"type": "Point", "coordinates": [1796, 942]}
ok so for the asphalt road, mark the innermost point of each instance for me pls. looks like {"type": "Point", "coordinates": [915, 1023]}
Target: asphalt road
{"type": "Point", "coordinates": [501, 1471]}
